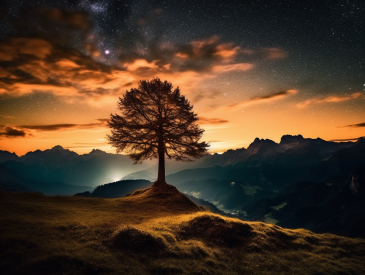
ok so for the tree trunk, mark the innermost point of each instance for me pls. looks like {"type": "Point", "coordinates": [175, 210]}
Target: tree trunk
{"type": "Point", "coordinates": [161, 163]}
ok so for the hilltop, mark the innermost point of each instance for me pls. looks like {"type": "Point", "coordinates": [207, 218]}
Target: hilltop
{"type": "Point", "coordinates": [157, 230]}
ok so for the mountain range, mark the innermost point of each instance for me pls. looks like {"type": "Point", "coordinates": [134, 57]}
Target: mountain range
{"type": "Point", "coordinates": [264, 182]}
{"type": "Point", "coordinates": [57, 166]}
{"type": "Point", "coordinates": [264, 164]}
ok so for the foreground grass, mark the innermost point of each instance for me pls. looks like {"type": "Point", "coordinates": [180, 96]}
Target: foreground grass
{"type": "Point", "coordinates": [157, 233]}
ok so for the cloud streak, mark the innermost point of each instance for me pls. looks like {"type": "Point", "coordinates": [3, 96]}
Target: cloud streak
{"type": "Point", "coordinates": [215, 121]}
{"type": "Point", "coordinates": [28, 130]}
{"type": "Point", "coordinates": [56, 127]}
{"type": "Point", "coordinates": [347, 139]}
{"type": "Point", "coordinates": [329, 99]}
{"type": "Point", "coordinates": [11, 132]}
{"type": "Point", "coordinates": [358, 125]}
{"type": "Point", "coordinates": [265, 98]}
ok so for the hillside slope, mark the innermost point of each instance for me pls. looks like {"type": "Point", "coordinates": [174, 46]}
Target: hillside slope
{"type": "Point", "coordinates": [11, 180]}
{"type": "Point", "coordinates": [116, 189]}
{"type": "Point", "coordinates": [336, 206]}
{"type": "Point", "coordinates": [157, 231]}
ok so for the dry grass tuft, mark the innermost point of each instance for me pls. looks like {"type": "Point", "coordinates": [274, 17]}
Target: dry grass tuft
{"type": "Point", "coordinates": [216, 231]}
{"type": "Point", "coordinates": [135, 240]}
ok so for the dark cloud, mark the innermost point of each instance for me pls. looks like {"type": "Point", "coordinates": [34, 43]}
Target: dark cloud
{"type": "Point", "coordinates": [28, 64]}
{"type": "Point", "coordinates": [51, 127]}
{"type": "Point", "coordinates": [103, 120]}
{"type": "Point", "coordinates": [204, 120]}
{"type": "Point", "coordinates": [197, 56]}
{"type": "Point", "coordinates": [273, 95]}
{"type": "Point", "coordinates": [42, 59]}
{"type": "Point", "coordinates": [358, 125]}
{"type": "Point", "coordinates": [55, 127]}
{"type": "Point", "coordinates": [37, 64]}
{"type": "Point", "coordinates": [70, 62]}
{"type": "Point", "coordinates": [12, 132]}
{"type": "Point", "coordinates": [347, 139]}
{"type": "Point", "coordinates": [265, 98]}
{"type": "Point", "coordinates": [67, 19]}
{"type": "Point", "coordinates": [42, 22]}
{"type": "Point", "coordinates": [23, 130]}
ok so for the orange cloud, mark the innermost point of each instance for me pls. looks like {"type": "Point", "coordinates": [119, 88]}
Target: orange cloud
{"type": "Point", "coordinates": [233, 67]}
{"type": "Point", "coordinates": [212, 48]}
{"type": "Point", "coordinates": [38, 64]}
{"type": "Point", "coordinates": [329, 99]}
{"type": "Point", "coordinates": [43, 63]}
{"type": "Point", "coordinates": [204, 120]}
{"type": "Point", "coordinates": [202, 56]}
{"type": "Point", "coordinates": [19, 46]}
{"type": "Point", "coordinates": [265, 98]}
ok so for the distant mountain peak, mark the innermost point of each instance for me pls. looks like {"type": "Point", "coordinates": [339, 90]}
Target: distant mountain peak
{"type": "Point", "coordinates": [361, 140]}
{"type": "Point", "coordinates": [97, 151]}
{"type": "Point", "coordinates": [58, 147]}
{"type": "Point", "coordinates": [287, 139]}
{"type": "Point", "coordinates": [254, 147]}
{"type": "Point", "coordinates": [5, 156]}
{"type": "Point", "coordinates": [261, 141]}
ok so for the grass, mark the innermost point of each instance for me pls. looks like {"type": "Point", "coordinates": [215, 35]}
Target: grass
{"type": "Point", "coordinates": [270, 219]}
{"type": "Point", "coordinates": [157, 232]}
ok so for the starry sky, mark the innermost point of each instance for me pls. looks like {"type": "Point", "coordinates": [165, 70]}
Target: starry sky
{"type": "Point", "coordinates": [250, 68]}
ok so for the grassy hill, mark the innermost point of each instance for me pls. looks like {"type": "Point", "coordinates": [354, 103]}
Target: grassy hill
{"type": "Point", "coordinates": [157, 231]}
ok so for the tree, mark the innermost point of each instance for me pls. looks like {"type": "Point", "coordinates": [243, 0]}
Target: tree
{"type": "Point", "coordinates": [156, 121]}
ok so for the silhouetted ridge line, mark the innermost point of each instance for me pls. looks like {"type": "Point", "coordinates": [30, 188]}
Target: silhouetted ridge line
{"type": "Point", "coordinates": [116, 189]}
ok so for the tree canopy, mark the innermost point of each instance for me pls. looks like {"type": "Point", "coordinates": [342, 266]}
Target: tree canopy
{"type": "Point", "coordinates": [156, 120]}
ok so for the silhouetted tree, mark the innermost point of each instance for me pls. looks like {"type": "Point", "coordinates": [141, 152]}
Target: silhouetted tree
{"type": "Point", "coordinates": [156, 121]}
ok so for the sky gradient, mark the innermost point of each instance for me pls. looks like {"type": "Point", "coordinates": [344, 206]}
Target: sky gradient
{"type": "Point", "coordinates": [250, 68]}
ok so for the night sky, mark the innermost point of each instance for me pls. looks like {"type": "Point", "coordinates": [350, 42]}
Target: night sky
{"type": "Point", "coordinates": [250, 68]}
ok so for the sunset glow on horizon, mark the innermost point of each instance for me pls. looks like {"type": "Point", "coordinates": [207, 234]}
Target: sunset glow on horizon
{"type": "Point", "coordinates": [246, 76]}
